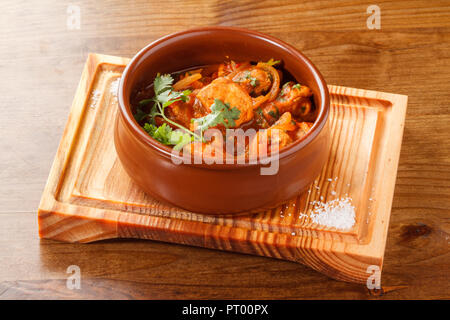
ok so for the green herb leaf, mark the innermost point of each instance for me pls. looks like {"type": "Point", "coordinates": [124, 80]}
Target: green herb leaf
{"type": "Point", "coordinates": [161, 133]}
{"type": "Point", "coordinates": [140, 115]}
{"type": "Point", "coordinates": [162, 83]}
{"type": "Point", "coordinates": [253, 81]}
{"type": "Point", "coordinates": [274, 114]}
{"type": "Point", "coordinates": [166, 135]}
{"type": "Point", "coordinates": [297, 86]}
{"type": "Point", "coordinates": [164, 97]}
{"type": "Point", "coordinates": [179, 139]}
{"type": "Point", "coordinates": [145, 102]}
{"type": "Point", "coordinates": [221, 113]}
{"type": "Point", "coordinates": [272, 62]}
{"type": "Point", "coordinates": [259, 111]}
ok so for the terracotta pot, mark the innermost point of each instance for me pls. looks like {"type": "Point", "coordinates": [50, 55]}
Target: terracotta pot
{"type": "Point", "coordinates": [219, 188]}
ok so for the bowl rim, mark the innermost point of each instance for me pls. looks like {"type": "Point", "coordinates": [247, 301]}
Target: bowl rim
{"type": "Point", "coordinates": [166, 151]}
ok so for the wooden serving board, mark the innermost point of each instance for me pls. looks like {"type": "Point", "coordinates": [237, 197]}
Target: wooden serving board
{"type": "Point", "coordinates": [89, 196]}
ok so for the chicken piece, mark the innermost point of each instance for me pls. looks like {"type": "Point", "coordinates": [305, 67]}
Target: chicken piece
{"type": "Point", "coordinates": [285, 123]}
{"type": "Point", "coordinates": [181, 112]}
{"type": "Point", "coordinates": [254, 81]}
{"type": "Point", "coordinates": [228, 92]}
{"type": "Point", "coordinates": [303, 128]}
{"type": "Point", "coordinates": [270, 113]}
{"type": "Point", "coordinates": [294, 98]}
{"type": "Point", "coordinates": [231, 67]}
{"type": "Point", "coordinates": [283, 126]}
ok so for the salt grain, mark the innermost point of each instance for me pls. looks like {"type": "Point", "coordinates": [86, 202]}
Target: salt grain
{"type": "Point", "coordinates": [338, 213]}
{"type": "Point", "coordinates": [95, 96]}
{"type": "Point", "coordinates": [114, 87]}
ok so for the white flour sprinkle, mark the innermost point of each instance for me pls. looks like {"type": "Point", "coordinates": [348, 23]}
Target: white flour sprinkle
{"type": "Point", "coordinates": [337, 213]}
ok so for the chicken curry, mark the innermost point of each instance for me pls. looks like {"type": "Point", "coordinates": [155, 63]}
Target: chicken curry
{"type": "Point", "coordinates": [176, 108]}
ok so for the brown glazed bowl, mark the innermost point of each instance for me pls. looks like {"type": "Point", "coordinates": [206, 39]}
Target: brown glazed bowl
{"type": "Point", "coordinates": [218, 188]}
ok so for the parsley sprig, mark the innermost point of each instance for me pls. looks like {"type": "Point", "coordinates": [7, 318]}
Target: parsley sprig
{"type": "Point", "coordinates": [165, 95]}
{"type": "Point", "coordinates": [221, 113]}
{"type": "Point", "coordinates": [166, 135]}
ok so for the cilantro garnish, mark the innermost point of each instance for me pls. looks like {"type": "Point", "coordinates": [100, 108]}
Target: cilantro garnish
{"type": "Point", "coordinates": [164, 97]}
{"type": "Point", "coordinates": [140, 115]}
{"type": "Point", "coordinates": [259, 111]}
{"type": "Point", "coordinates": [274, 114]}
{"type": "Point", "coordinates": [166, 135]}
{"type": "Point", "coordinates": [253, 81]}
{"type": "Point", "coordinates": [221, 113]}
{"type": "Point", "coordinates": [297, 86]}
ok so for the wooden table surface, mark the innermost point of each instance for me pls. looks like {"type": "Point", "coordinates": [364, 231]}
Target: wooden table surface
{"type": "Point", "coordinates": [41, 59]}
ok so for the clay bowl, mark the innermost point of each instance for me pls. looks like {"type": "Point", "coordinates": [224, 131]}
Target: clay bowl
{"type": "Point", "coordinates": [218, 188]}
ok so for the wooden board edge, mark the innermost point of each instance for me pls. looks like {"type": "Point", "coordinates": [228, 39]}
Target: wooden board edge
{"type": "Point", "coordinates": [326, 257]}
{"type": "Point", "coordinates": [364, 93]}
{"type": "Point", "coordinates": [83, 225]}
{"type": "Point", "coordinates": [377, 244]}
{"type": "Point", "coordinates": [399, 107]}
{"type": "Point", "coordinates": [48, 201]}
{"type": "Point", "coordinates": [74, 228]}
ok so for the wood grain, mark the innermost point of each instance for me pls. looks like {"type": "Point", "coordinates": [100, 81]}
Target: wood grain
{"type": "Point", "coordinates": [41, 62]}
